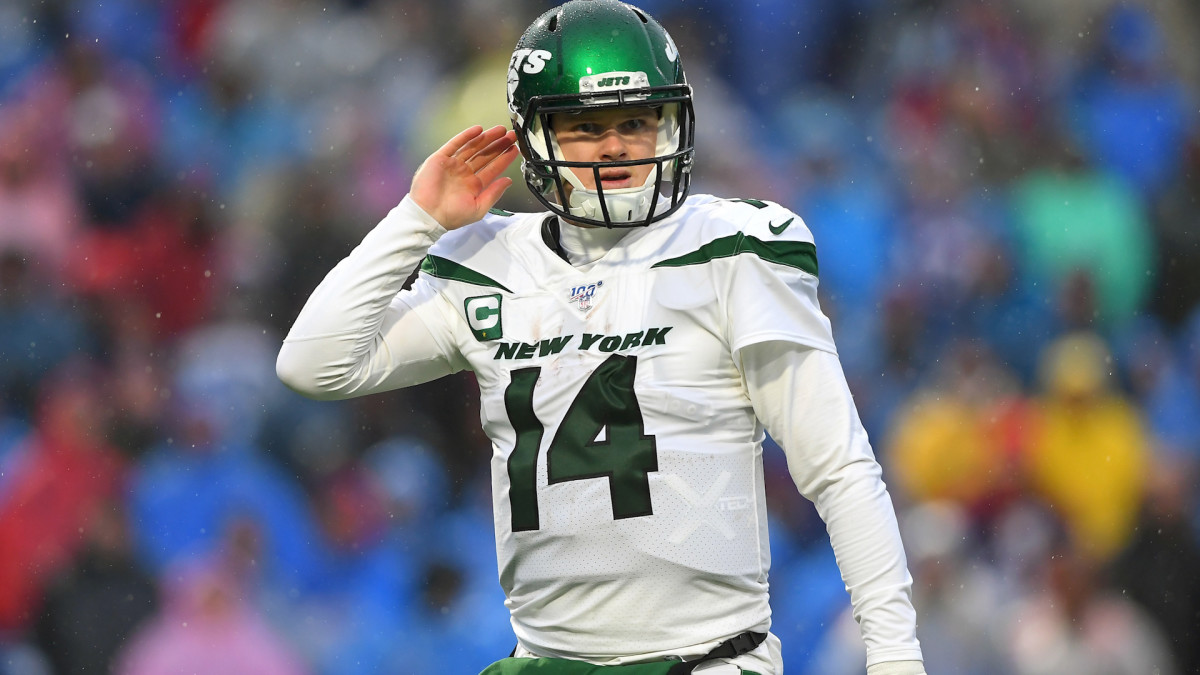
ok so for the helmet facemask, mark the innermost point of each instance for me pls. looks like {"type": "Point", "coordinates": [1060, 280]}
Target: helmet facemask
{"type": "Point", "coordinates": [548, 173]}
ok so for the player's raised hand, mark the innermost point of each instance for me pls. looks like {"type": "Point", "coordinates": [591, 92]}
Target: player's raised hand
{"type": "Point", "coordinates": [461, 181]}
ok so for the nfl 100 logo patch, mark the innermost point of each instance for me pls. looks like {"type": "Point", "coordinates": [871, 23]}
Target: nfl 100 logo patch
{"type": "Point", "coordinates": [583, 296]}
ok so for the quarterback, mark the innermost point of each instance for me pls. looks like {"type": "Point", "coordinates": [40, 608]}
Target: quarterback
{"type": "Point", "coordinates": [633, 343]}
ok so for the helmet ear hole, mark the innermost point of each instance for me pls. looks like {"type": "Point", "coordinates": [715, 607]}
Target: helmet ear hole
{"type": "Point", "coordinates": [553, 23]}
{"type": "Point", "coordinates": [639, 15]}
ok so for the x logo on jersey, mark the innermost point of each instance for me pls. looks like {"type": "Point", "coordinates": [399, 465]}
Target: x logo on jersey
{"type": "Point", "coordinates": [704, 509]}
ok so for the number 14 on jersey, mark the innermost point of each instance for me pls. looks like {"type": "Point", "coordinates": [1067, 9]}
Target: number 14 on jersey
{"type": "Point", "coordinates": [602, 435]}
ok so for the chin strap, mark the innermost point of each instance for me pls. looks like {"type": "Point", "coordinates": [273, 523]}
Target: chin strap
{"type": "Point", "coordinates": [624, 205]}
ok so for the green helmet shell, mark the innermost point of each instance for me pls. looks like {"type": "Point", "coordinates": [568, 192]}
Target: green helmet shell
{"type": "Point", "coordinates": [588, 54]}
{"type": "Point", "coordinates": [584, 38]}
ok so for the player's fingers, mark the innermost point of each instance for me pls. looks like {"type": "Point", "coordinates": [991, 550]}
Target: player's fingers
{"type": "Point", "coordinates": [492, 193]}
{"type": "Point", "coordinates": [479, 142]}
{"type": "Point", "coordinates": [492, 151]}
{"type": "Point", "coordinates": [498, 165]}
{"type": "Point", "coordinates": [460, 139]}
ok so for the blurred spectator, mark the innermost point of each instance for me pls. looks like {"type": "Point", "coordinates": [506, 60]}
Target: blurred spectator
{"type": "Point", "coordinates": [206, 627]}
{"type": "Point", "coordinates": [188, 492]}
{"type": "Point", "coordinates": [959, 437]}
{"type": "Point", "coordinates": [1167, 388]}
{"type": "Point", "coordinates": [1072, 625]}
{"type": "Point", "coordinates": [159, 263]}
{"type": "Point", "coordinates": [1177, 225]}
{"type": "Point", "coordinates": [139, 394]}
{"type": "Point", "coordinates": [1007, 314]}
{"type": "Point", "coordinates": [356, 608]}
{"type": "Point", "coordinates": [92, 609]}
{"type": "Point", "coordinates": [843, 194]}
{"type": "Point", "coordinates": [1158, 569]}
{"type": "Point", "coordinates": [105, 111]}
{"type": "Point", "coordinates": [1131, 113]}
{"type": "Point", "coordinates": [312, 233]}
{"type": "Point", "coordinates": [954, 593]}
{"type": "Point", "coordinates": [65, 474]}
{"type": "Point", "coordinates": [225, 372]}
{"type": "Point", "coordinates": [12, 434]}
{"type": "Point", "coordinates": [462, 611]}
{"type": "Point", "coordinates": [39, 209]}
{"type": "Point", "coordinates": [459, 602]}
{"type": "Point", "coordinates": [1088, 455]}
{"type": "Point", "coordinates": [412, 480]}
{"type": "Point", "coordinates": [39, 329]}
{"type": "Point", "coordinates": [257, 131]}
{"type": "Point", "coordinates": [473, 94]}
{"type": "Point", "coordinates": [1074, 220]}
{"type": "Point", "coordinates": [808, 596]}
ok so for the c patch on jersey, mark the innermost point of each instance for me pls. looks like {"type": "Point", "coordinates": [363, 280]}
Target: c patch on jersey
{"type": "Point", "coordinates": [483, 316]}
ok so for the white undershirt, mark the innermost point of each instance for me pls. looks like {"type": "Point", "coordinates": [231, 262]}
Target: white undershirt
{"type": "Point", "coordinates": [584, 246]}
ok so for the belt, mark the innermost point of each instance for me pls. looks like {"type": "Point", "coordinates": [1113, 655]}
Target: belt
{"type": "Point", "coordinates": [734, 646]}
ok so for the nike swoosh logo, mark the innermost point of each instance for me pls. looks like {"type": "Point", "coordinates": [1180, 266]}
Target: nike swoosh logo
{"type": "Point", "coordinates": [778, 229]}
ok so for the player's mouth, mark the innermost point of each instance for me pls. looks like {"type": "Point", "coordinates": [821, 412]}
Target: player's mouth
{"type": "Point", "coordinates": [615, 179]}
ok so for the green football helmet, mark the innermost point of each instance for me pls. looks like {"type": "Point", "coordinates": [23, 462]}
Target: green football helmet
{"type": "Point", "coordinates": [594, 54]}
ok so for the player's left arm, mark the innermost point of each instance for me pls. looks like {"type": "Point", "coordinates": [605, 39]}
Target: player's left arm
{"type": "Point", "coordinates": [784, 345]}
{"type": "Point", "coordinates": [897, 668]}
{"type": "Point", "coordinates": [801, 396]}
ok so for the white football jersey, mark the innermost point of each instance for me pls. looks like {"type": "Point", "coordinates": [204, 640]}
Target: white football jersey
{"type": "Point", "coordinates": [626, 468]}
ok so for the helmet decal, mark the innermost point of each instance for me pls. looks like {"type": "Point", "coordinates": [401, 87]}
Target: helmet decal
{"type": "Point", "coordinates": [589, 84]}
{"type": "Point", "coordinates": [529, 61]}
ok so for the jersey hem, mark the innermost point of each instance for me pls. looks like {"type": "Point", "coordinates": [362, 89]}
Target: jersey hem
{"type": "Point", "coordinates": [780, 336]}
{"type": "Point", "coordinates": [685, 652]}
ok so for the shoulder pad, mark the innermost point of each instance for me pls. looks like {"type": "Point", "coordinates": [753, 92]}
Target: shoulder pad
{"type": "Point", "coordinates": [468, 240]}
{"type": "Point", "coordinates": [479, 253]}
{"type": "Point", "coordinates": [762, 219]}
{"type": "Point", "coordinates": [723, 228]}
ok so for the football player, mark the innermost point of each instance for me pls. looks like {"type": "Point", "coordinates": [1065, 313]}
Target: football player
{"type": "Point", "coordinates": [632, 344]}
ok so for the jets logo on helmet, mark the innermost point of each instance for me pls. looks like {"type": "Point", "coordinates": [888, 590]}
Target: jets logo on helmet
{"type": "Point", "coordinates": [589, 54]}
{"type": "Point", "coordinates": [529, 61]}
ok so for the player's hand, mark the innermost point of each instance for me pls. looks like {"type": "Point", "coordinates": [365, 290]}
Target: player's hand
{"type": "Point", "coordinates": [461, 181]}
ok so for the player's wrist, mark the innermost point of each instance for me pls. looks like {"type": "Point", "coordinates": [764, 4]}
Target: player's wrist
{"type": "Point", "coordinates": [427, 208]}
{"type": "Point", "coordinates": [897, 668]}
{"type": "Point", "coordinates": [414, 211]}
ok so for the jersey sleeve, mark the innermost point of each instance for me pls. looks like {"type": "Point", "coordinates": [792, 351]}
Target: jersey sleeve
{"type": "Point", "coordinates": [771, 293]}
{"type": "Point", "coordinates": [358, 333]}
{"type": "Point", "coordinates": [803, 400]}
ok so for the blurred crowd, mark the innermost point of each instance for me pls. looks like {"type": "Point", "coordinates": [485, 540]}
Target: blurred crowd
{"type": "Point", "coordinates": [1004, 200]}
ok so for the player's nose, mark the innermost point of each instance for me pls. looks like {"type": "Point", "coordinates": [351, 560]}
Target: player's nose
{"type": "Point", "coordinates": [613, 147]}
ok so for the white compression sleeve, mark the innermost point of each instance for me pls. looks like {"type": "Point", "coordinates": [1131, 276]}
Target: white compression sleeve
{"type": "Point", "coordinates": [802, 398]}
{"type": "Point", "coordinates": [897, 668]}
{"type": "Point", "coordinates": [354, 336]}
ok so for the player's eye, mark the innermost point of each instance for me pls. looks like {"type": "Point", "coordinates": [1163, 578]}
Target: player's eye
{"type": "Point", "coordinates": [587, 128]}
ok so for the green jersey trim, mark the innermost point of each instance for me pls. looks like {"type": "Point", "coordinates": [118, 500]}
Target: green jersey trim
{"type": "Point", "coordinates": [801, 255]}
{"type": "Point", "coordinates": [448, 269]}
